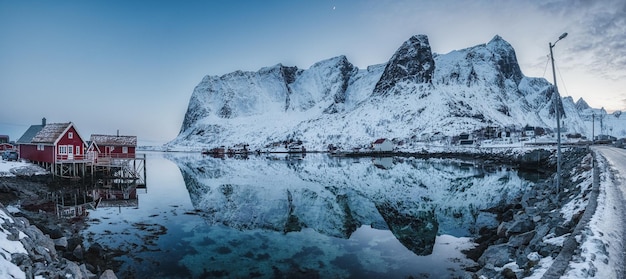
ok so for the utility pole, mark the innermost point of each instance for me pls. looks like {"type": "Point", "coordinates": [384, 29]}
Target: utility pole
{"type": "Point", "coordinates": [557, 99]}
{"type": "Point", "coordinates": [593, 128]}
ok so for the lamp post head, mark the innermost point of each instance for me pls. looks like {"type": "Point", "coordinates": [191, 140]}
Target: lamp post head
{"type": "Point", "coordinates": [563, 36]}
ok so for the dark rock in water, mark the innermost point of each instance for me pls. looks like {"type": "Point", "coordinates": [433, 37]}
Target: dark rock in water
{"type": "Point", "coordinates": [96, 250]}
{"type": "Point", "coordinates": [413, 61]}
{"type": "Point", "coordinates": [415, 232]}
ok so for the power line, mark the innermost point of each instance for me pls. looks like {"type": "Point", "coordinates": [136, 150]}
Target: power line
{"type": "Point", "coordinates": [562, 81]}
{"type": "Point", "coordinates": [546, 67]}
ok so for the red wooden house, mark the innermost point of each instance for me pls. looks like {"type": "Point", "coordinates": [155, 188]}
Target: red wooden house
{"type": "Point", "coordinates": [112, 146]}
{"type": "Point", "coordinates": [4, 143]}
{"type": "Point", "coordinates": [52, 143]}
{"type": "Point", "coordinates": [6, 146]}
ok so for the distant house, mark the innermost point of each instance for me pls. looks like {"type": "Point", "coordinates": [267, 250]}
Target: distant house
{"type": "Point", "coordinates": [112, 146]}
{"type": "Point", "coordinates": [382, 145]}
{"type": "Point", "coordinates": [529, 131]}
{"type": "Point", "coordinates": [4, 143]}
{"type": "Point", "coordinates": [241, 148]}
{"type": "Point", "coordinates": [296, 147]}
{"type": "Point", "coordinates": [465, 139]}
{"type": "Point", "coordinates": [51, 143]}
{"type": "Point", "coordinates": [6, 146]}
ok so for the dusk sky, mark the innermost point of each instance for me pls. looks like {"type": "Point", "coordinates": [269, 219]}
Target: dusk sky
{"type": "Point", "coordinates": [132, 65]}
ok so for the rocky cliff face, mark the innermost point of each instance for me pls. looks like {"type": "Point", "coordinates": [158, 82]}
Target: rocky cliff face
{"type": "Point", "coordinates": [413, 63]}
{"type": "Point", "coordinates": [413, 96]}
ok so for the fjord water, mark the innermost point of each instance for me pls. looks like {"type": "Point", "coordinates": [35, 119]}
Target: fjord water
{"type": "Point", "coordinates": [282, 216]}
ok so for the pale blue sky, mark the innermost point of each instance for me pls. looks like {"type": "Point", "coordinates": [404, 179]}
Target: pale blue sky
{"type": "Point", "coordinates": [132, 65]}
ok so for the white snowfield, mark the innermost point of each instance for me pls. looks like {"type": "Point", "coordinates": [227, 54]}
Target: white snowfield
{"type": "Point", "coordinates": [13, 168]}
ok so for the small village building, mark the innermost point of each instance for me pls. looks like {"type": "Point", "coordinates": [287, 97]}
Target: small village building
{"type": "Point", "coordinates": [465, 139]}
{"type": "Point", "coordinates": [529, 131]}
{"type": "Point", "coordinates": [382, 145]}
{"type": "Point", "coordinates": [5, 144]}
{"type": "Point", "coordinates": [112, 146]}
{"type": "Point", "coordinates": [296, 147]}
{"type": "Point", "coordinates": [52, 144]}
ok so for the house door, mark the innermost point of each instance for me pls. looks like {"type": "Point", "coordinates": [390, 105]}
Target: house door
{"type": "Point", "coordinates": [70, 152]}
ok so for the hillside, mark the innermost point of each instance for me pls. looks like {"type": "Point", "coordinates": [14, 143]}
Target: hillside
{"type": "Point", "coordinates": [417, 95]}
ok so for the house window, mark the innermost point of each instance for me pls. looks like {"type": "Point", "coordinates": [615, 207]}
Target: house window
{"type": "Point", "coordinates": [62, 149]}
{"type": "Point", "coordinates": [70, 135]}
{"type": "Point", "coordinates": [124, 149]}
{"type": "Point", "coordinates": [40, 147]}
{"type": "Point", "coordinates": [77, 150]}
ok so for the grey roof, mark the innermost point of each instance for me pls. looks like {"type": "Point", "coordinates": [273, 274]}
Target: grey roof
{"type": "Point", "coordinates": [28, 136]}
{"type": "Point", "coordinates": [111, 140]}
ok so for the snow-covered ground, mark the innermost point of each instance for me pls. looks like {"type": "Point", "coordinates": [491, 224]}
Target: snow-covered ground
{"type": "Point", "coordinates": [12, 168]}
{"type": "Point", "coordinates": [602, 250]}
{"type": "Point", "coordinates": [7, 268]}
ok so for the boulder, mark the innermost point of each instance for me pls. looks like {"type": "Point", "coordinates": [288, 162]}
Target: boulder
{"type": "Point", "coordinates": [108, 274]}
{"type": "Point", "coordinates": [79, 252]}
{"type": "Point", "coordinates": [497, 255]}
{"type": "Point", "coordinates": [60, 243]}
{"type": "Point", "coordinates": [522, 225]}
{"type": "Point", "coordinates": [486, 220]}
{"type": "Point", "coordinates": [522, 239]}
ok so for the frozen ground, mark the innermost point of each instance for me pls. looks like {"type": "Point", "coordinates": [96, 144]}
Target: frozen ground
{"type": "Point", "coordinates": [13, 168]}
{"type": "Point", "coordinates": [602, 250]}
{"type": "Point", "coordinates": [598, 250]}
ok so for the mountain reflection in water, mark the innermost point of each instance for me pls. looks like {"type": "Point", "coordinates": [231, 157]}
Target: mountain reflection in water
{"type": "Point", "coordinates": [319, 215]}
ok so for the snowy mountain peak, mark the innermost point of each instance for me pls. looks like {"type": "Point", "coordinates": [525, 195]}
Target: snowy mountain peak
{"type": "Point", "coordinates": [412, 62]}
{"type": "Point", "coordinates": [415, 96]}
{"type": "Point", "coordinates": [582, 105]}
{"type": "Point", "coordinates": [506, 58]}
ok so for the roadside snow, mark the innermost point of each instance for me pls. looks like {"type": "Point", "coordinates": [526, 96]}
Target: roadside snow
{"type": "Point", "coordinates": [602, 241]}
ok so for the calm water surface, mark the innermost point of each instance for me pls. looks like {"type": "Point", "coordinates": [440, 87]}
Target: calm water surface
{"type": "Point", "coordinates": [294, 217]}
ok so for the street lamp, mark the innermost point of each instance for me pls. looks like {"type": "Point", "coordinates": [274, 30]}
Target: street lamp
{"type": "Point", "coordinates": [558, 117]}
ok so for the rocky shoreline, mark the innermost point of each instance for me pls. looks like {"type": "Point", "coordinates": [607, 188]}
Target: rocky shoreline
{"type": "Point", "coordinates": [54, 247]}
{"type": "Point", "coordinates": [511, 237]}
{"type": "Point", "coordinates": [515, 237]}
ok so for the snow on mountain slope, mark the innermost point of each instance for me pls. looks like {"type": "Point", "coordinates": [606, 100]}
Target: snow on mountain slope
{"type": "Point", "coordinates": [416, 93]}
{"type": "Point", "coordinates": [612, 124]}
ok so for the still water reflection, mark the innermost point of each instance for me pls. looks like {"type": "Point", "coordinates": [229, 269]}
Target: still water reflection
{"type": "Point", "coordinates": [317, 216]}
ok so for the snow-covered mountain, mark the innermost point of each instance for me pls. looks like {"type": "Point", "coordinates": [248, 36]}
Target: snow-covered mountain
{"type": "Point", "coordinates": [612, 124]}
{"type": "Point", "coordinates": [415, 95]}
